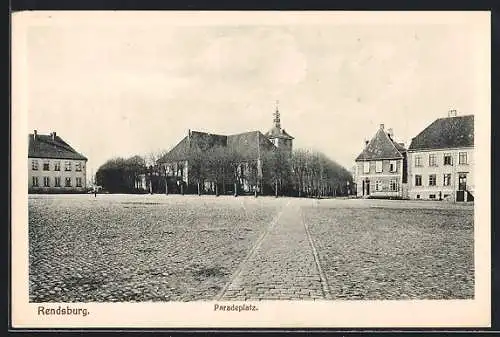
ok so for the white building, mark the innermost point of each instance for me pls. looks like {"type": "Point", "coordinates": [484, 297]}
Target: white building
{"type": "Point", "coordinates": [441, 160]}
{"type": "Point", "coordinates": [54, 166]}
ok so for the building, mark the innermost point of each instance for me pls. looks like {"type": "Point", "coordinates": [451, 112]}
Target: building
{"type": "Point", "coordinates": [251, 148]}
{"type": "Point", "coordinates": [381, 167]}
{"type": "Point", "coordinates": [441, 160]}
{"type": "Point", "coordinates": [54, 166]}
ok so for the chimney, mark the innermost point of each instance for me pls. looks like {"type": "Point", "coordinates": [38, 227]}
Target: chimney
{"type": "Point", "coordinates": [381, 126]}
{"type": "Point", "coordinates": [366, 142]}
{"type": "Point", "coordinates": [189, 132]}
{"type": "Point", "coordinates": [452, 113]}
{"type": "Point", "coordinates": [390, 132]}
{"type": "Point", "coordinates": [34, 134]}
{"type": "Point", "coordinates": [54, 135]}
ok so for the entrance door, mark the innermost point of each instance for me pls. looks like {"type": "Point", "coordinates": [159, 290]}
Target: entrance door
{"type": "Point", "coordinates": [367, 185]}
{"type": "Point", "coordinates": [462, 181]}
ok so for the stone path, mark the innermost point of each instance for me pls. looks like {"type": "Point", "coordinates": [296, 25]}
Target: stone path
{"type": "Point", "coordinates": [282, 265]}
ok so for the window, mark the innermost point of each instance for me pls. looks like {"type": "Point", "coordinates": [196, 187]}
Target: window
{"type": "Point", "coordinates": [432, 160]}
{"type": "Point", "coordinates": [447, 159]}
{"type": "Point", "coordinates": [462, 158]}
{"type": "Point", "coordinates": [78, 182]}
{"type": "Point", "coordinates": [67, 182]}
{"type": "Point", "coordinates": [57, 166]}
{"type": "Point", "coordinates": [393, 185]}
{"type": "Point", "coordinates": [46, 182]}
{"type": "Point", "coordinates": [366, 167]}
{"type": "Point", "coordinates": [393, 165]}
{"type": "Point", "coordinates": [57, 181]}
{"type": "Point", "coordinates": [418, 161]}
{"type": "Point", "coordinates": [447, 179]}
{"type": "Point", "coordinates": [418, 180]}
{"type": "Point", "coordinates": [432, 196]}
{"type": "Point", "coordinates": [378, 166]}
{"type": "Point", "coordinates": [78, 167]}
{"type": "Point", "coordinates": [35, 181]}
{"type": "Point", "coordinates": [34, 165]}
{"type": "Point", "coordinates": [46, 166]}
{"type": "Point", "coordinates": [378, 185]}
{"type": "Point", "coordinates": [432, 180]}
{"type": "Point", "coordinates": [418, 196]}
{"type": "Point", "coordinates": [67, 166]}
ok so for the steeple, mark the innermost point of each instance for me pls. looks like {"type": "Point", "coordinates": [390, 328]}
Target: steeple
{"type": "Point", "coordinates": [277, 122]}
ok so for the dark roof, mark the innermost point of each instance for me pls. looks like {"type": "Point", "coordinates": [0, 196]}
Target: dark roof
{"type": "Point", "coordinates": [381, 146]}
{"type": "Point", "coordinates": [450, 132]}
{"type": "Point", "coordinates": [276, 132]}
{"type": "Point", "coordinates": [196, 140]}
{"type": "Point", "coordinates": [247, 144]}
{"type": "Point", "coordinates": [47, 146]}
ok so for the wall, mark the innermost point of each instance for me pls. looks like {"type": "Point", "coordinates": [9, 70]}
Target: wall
{"type": "Point", "coordinates": [425, 191]}
{"type": "Point", "coordinates": [40, 173]}
{"type": "Point", "coordinates": [383, 177]}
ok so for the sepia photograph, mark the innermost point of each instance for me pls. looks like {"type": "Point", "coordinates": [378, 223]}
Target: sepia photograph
{"type": "Point", "coordinates": [251, 169]}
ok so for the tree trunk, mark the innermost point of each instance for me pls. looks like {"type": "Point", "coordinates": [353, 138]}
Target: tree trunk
{"type": "Point", "coordinates": [235, 190]}
{"type": "Point", "coordinates": [166, 183]}
{"type": "Point", "coordinates": [199, 191]}
{"type": "Point", "coordinates": [223, 183]}
{"type": "Point", "coordinates": [255, 191]}
{"type": "Point", "coordinates": [182, 188]}
{"type": "Point", "coordinates": [216, 189]}
{"type": "Point", "coordinates": [276, 188]}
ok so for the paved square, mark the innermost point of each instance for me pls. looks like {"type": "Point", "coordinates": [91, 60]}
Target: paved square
{"type": "Point", "coordinates": [120, 248]}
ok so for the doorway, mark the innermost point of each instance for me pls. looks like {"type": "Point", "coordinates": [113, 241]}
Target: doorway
{"type": "Point", "coordinates": [366, 187]}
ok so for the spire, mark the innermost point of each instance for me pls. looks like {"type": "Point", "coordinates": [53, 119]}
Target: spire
{"type": "Point", "coordinates": [276, 115]}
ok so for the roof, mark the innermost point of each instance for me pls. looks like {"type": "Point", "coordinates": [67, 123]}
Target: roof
{"type": "Point", "coordinates": [450, 132]}
{"type": "Point", "coordinates": [277, 132]}
{"type": "Point", "coordinates": [381, 146]}
{"type": "Point", "coordinates": [49, 146]}
{"type": "Point", "coordinates": [248, 144]}
{"type": "Point", "coordinates": [195, 140]}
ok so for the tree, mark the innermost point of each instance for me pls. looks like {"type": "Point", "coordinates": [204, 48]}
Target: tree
{"type": "Point", "coordinates": [119, 175]}
{"type": "Point", "coordinates": [276, 169]}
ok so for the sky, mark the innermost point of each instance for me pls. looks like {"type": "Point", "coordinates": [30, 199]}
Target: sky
{"type": "Point", "coordinates": [126, 87]}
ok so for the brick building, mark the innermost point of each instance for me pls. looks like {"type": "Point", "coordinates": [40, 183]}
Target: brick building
{"type": "Point", "coordinates": [251, 147]}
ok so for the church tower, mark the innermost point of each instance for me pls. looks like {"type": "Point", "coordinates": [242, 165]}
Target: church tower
{"type": "Point", "coordinates": [278, 136]}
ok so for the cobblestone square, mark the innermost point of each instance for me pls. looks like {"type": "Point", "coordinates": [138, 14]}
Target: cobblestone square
{"type": "Point", "coordinates": [123, 248]}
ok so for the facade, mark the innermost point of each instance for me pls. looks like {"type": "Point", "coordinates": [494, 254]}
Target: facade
{"type": "Point", "coordinates": [441, 160]}
{"type": "Point", "coordinates": [54, 166]}
{"type": "Point", "coordinates": [250, 147]}
{"type": "Point", "coordinates": [380, 170]}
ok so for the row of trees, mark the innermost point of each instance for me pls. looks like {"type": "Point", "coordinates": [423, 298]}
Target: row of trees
{"type": "Point", "coordinates": [219, 169]}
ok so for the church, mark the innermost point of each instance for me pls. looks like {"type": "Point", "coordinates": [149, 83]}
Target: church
{"type": "Point", "coordinates": [183, 175]}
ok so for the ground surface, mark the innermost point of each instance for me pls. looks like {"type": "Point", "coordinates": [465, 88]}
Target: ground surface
{"type": "Point", "coordinates": [117, 248]}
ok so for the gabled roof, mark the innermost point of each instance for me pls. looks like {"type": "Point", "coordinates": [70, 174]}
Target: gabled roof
{"type": "Point", "coordinates": [276, 132]}
{"type": "Point", "coordinates": [179, 152]}
{"type": "Point", "coordinates": [195, 140]}
{"type": "Point", "coordinates": [249, 144]}
{"type": "Point", "coordinates": [381, 146]}
{"type": "Point", "coordinates": [450, 132]}
{"type": "Point", "coordinates": [49, 146]}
